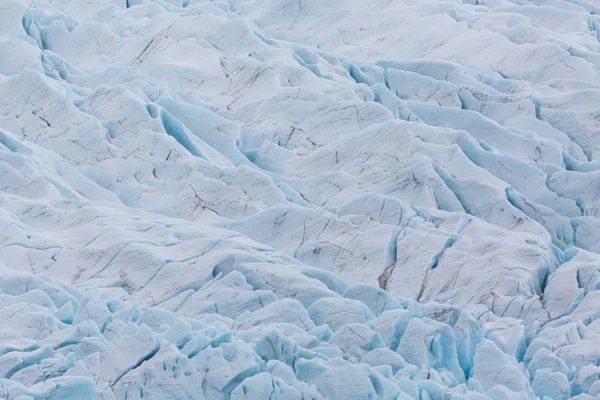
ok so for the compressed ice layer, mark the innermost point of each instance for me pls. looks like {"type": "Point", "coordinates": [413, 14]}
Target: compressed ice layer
{"type": "Point", "coordinates": [59, 343]}
{"type": "Point", "coordinates": [298, 199]}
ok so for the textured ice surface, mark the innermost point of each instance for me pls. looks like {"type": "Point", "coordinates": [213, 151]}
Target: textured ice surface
{"type": "Point", "coordinates": [299, 199]}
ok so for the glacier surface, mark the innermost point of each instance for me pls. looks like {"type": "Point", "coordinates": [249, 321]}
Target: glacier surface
{"type": "Point", "coordinates": [299, 199]}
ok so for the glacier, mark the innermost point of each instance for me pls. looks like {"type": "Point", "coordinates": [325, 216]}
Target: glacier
{"type": "Point", "coordinates": [299, 199]}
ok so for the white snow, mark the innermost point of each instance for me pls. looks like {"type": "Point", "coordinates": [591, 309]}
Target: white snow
{"type": "Point", "coordinates": [299, 199]}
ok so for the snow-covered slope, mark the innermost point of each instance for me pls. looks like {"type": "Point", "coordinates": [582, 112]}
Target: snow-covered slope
{"type": "Point", "coordinates": [299, 199]}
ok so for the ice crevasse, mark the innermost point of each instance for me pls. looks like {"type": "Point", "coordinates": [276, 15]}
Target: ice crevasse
{"type": "Point", "coordinates": [299, 199]}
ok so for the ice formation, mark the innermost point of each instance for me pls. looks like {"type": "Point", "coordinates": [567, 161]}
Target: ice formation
{"type": "Point", "coordinates": [299, 199]}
